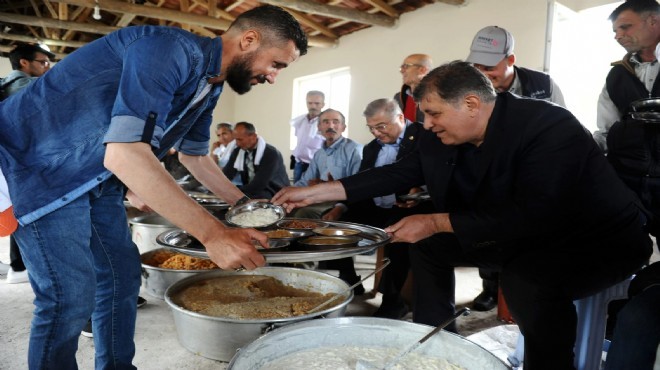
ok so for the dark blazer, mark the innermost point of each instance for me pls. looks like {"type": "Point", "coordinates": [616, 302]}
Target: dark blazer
{"type": "Point", "coordinates": [542, 181]}
{"type": "Point", "coordinates": [269, 176]}
{"type": "Point", "coordinates": [366, 211]}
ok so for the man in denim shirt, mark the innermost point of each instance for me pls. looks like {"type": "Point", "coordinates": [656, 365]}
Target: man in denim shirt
{"type": "Point", "coordinates": [99, 121]}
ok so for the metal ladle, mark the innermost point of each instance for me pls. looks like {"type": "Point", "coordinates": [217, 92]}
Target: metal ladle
{"type": "Point", "coordinates": [386, 261]}
{"type": "Point", "coordinates": [365, 365]}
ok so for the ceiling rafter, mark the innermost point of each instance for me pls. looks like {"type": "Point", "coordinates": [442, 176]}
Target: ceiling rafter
{"type": "Point", "coordinates": [324, 21]}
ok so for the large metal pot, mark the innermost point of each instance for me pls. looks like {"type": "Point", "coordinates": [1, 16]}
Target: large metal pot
{"type": "Point", "coordinates": [363, 331]}
{"type": "Point", "coordinates": [218, 338]}
{"type": "Point", "coordinates": [156, 280]}
{"type": "Point", "coordinates": [145, 229]}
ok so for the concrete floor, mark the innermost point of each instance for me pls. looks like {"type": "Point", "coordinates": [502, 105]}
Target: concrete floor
{"type": "Point", "coordinates": [157, 346]}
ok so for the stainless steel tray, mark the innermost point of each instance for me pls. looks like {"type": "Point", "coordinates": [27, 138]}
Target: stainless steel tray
{"type": "Point", "coordinates": [370, 239]}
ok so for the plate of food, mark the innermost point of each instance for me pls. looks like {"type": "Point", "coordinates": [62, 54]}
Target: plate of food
{"type": "Point", "coordinates": [254, 214]}
{"type": "Point", "coordinates": [322, 242]}
{"type": "Point", "coordinates": [300, 224]}
{"type": "Point", "coordinates": [336, 231]}
{"type": "Point", "coordinates": [284, 234]}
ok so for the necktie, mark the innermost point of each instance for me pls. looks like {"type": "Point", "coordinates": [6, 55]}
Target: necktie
{"type": "Point", "coordinates": [249, 163]}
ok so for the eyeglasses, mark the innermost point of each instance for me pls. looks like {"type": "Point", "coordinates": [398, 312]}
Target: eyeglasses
{"type": "Point", "coordinates": [380, 127]}
{"type": "Point", "coordinates": [43, 62]}
{"type": "Point", "coordinates": [405, 66]}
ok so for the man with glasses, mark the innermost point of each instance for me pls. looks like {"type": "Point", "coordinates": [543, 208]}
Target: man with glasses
{"type": "Point", "coordinates": [492, 53]}
{"type": "Point", "coordinates": [394, 137]}
{"type": "Point", "coordinates": [28, 62]}
{"type": "Point", "coordinates": [413, 69]}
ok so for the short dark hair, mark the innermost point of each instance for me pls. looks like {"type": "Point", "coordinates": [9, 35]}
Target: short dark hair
{"type": "Point", "coordinates": [272, 20]}
{"type": "Point", "coordinates": [27, 52]}
{"type": "Point", "coordinates": [247, 126]}
{"type": "Point", "coordinates": [226, 125]}
{"type": "Point", "coordinates": [637, 6]}
{"type": "Point", "coordinates": [454, 80]}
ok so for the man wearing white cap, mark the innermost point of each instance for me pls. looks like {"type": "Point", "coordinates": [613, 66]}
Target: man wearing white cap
{"type": "Point", "coordinates": [492, 53]}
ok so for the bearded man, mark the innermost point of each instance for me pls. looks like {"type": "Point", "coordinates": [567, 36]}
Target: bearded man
{"type": "Point", "coordinates": [98, 122]}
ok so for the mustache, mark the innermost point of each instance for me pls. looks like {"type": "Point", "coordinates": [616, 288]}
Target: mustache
{"type": "Point", "coordinates": [261, 78]}
{"type": "Point", "coordinates": [330, 130]}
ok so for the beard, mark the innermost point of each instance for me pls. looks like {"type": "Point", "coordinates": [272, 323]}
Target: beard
{"type": "Point", "coordinates": [239, 74]}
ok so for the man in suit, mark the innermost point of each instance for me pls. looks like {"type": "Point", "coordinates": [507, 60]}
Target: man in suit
{"type": "Point", "coordinates": [520, 186]}
{"type": "Point", "coordinates": [394, 137]}
{"type": "Point", "coordinates": [260, 165]}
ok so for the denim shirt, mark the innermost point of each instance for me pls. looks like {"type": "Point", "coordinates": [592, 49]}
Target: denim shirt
{"type": "Point", "coordinates": [137, 84]}
{"type": "Point", "coordinates": [341, 159]}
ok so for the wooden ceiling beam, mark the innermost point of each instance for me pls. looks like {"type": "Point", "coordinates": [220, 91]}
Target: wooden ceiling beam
{"type": "Point", "coordinates": [154, 12]}
{"type": "Point", "coordinates": [352, 15]}
{"type": "Point", "coordinates": [384, 7]}
{"type": "Point", "coordinates": [66, 25]}
{"type": "Point", "coordinates": [452, 2]}
{"type": "Point", "coordinates": [309, 22]}
{"type": "Point", "coordinates": [98, 28]}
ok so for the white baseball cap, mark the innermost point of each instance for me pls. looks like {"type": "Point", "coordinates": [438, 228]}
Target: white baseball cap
{"type": "Point", "coordinates": [490, 45]}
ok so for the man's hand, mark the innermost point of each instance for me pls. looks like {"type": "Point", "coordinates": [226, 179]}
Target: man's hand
{"type": "Point", "coordinates": [414, 228]}
{"type": "Point", "coordinates": [292, 197]}
{"type": "Point", "coordinates": [233, 248]}
{"type": "Point", "coordinates": [136, 202]}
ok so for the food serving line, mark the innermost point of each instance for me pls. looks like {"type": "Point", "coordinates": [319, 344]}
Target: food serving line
{"type": "Point", "coordinates": [255, 343]}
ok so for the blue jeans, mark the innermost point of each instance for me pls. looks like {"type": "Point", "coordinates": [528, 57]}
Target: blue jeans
{"type": "Point", "coordinates": [82, 263]}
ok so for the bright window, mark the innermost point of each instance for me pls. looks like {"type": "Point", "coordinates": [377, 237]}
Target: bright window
{"type": "Point", "coordinates": [583, 47]}
{"type": "Point", "coordinates": [335, 84]}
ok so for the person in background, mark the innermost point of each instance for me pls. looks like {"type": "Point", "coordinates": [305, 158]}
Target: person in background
{"type": "Point", "coordinates": [102, 118]}
{"type": "Point", "coordinates": [492, 53]}
{"type": "Point", "coordinates": [259, 164]}
{"type": "Point", "coordinates": [225, 136]}
{"type": "Point", "coordinates": [518, 186]}
{"type": "Point", "coordinates": [394, 137]}
{"type": "Point", "coordinates": [28, 62]}
{"type": "Point", "coordinates": [636, 26]}
{"type": "Point", "coordinates": [338, 157]}
{"type": "Point", "coordinates": [413, 69]}
{"type": "Point", "coordinates": [308, 139]}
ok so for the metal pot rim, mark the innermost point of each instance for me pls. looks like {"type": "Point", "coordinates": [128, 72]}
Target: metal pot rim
{"type": "Point", "coordinates": [174, 288]}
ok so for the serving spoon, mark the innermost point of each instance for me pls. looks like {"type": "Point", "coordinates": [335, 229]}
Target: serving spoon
{"type": "Point", "coordinates": [386, 261]}
{"type": "Point", "coordinates": [365, 365]}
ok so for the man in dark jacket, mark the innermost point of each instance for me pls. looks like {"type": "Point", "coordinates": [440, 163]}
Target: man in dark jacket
{"type": "Point", "coordinates": [394, 138]}
{"type": "Point", "coordinates": [259, 164]}
{"type": "Point", "coordinates": [519, 186]}
{"type": "Point", "coordinates": [492, 53]}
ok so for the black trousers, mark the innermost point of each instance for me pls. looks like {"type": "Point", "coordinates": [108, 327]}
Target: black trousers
{"type": "Point", "coordinates": [16, 260]}
{"type": "Point", "coordinates": [539, 283]}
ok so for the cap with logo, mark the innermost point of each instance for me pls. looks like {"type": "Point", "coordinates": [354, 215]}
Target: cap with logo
{"type": "Point", "coordinates": [490, 45]}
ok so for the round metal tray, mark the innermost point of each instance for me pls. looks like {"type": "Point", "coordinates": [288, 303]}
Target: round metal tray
{"type": "Point", "coordinates": [370, 239]}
